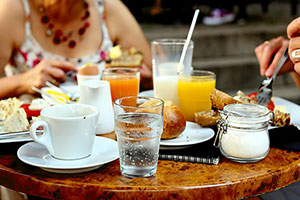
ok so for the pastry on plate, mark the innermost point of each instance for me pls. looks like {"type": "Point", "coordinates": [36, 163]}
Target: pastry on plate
{"type": "Point", "coordinates": [118, 57]}
{"type": "Point", "coordinates": [12, 117]}
{"type": "Point", "coordinates": [207, 118]}
{"type": "Point", "coordinates": [220, 99]}
{"type": "Point", "coordinates": [174, 120]}
{"type": "Point", "coordinates": [281, 119]}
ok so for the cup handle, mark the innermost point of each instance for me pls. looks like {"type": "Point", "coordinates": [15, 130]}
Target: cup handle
{"type": "Point", "coordinates": [45, 139]}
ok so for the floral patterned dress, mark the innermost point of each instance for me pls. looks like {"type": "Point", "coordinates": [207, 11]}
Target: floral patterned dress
{"type": "Point", "coordinates": [31, 53]}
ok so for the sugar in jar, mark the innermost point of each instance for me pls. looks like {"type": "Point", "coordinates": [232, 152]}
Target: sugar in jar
{"type": "Point", "coordinates": [243, 132]}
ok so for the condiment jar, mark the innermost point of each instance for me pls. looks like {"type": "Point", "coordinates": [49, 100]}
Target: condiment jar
{"type": "Point", "coordinates": [243, 132]}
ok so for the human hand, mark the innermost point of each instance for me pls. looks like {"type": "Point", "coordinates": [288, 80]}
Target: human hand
{"type": "Point", "coordinates": [294, 44]}
{"type": "Point", "coordinates": [269, 54]}
{"type": "Point", "coordinates": [53, 71]}
{"type": "Point", "coordinates": [146, 78]}
{"type": "Point", "coordinates": [145, 72]}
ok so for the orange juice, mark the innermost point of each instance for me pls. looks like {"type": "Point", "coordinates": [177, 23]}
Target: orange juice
{"type": "Point", "coordinates": [194, 95]}
{"type": "Point", "coordinates": [122, 86]}
{"type": "Point", "coordinates": [123, 81]}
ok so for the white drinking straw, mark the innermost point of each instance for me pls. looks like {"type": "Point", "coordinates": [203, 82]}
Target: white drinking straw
{"type": "Point", "coordinates": [187, 41]}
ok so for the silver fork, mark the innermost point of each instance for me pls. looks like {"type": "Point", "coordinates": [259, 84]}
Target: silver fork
{"type": "Point", "coordinates": [264, 93]}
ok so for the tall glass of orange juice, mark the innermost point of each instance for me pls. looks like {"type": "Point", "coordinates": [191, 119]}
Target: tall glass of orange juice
{"type": "Point", "coordinates": [194, 92]}
{"type": "Point", "coordinates": [123, 81]}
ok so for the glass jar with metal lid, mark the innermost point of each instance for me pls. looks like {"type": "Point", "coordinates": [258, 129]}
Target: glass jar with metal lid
{"type": "Point", "coordinates": [243, 132]}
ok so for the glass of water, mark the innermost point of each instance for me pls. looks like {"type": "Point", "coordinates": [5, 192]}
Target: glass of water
{"type": "Point", "coordinates": [139, 125]}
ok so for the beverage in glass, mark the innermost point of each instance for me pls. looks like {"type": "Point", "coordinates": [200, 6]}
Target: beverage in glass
{"type": "Point", "coordinates": [123, 81]}
{"type": "Point", "coordinates": [194, 92]}
{"type": "Point", "coordinates": [166, 54]}
{"type": "Point", "coordinates": [139, 125]}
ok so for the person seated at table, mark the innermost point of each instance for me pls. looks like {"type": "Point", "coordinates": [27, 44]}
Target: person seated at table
{"type": "Point", "coordinates": [270, 52]}
{"type": "Point", "coordinates": [268, 55]}
{"type": "Point", "coordinates": [42, 40]}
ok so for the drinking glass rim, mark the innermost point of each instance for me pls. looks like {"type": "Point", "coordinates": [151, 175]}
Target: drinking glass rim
{"type": "Point", "coordinates": [140, 97]}
{"type": "Point", "coordinates": [208, 74]}
{"type": "Point", "coordinates": [172, 41]}
{"type": "Point", "coordinates": [130, 70]}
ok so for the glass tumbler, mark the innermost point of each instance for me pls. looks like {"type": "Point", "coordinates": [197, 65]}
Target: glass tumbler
{"type": "Point", "coordinates": [138, 126]}
{"type": "Point", "coordinates": [123, 81]}
{"type": "Point", "coordinates": [166, 55]}
{"type": "Point", "coordinates": [194, 90]}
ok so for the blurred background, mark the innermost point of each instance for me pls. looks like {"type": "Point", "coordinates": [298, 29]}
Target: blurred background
{"type": "Point", "coordinates": [225, 36]}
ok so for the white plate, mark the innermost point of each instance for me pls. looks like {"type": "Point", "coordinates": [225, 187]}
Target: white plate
{"type": "Point", "coordinates": [193, 134]}
{"type": "Point", "coordinates": [71, 87]}
{"type": "Point", "coordinates": [291, 108]}
{"type": "Point", "coordinates": [16, 139]}
{"type": "Point", "coordinates": [147, 93]}
{"type": "Point", "coordinates": [104, 151]}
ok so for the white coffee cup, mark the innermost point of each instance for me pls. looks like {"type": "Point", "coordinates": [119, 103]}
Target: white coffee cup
{"type": "Point", "coordinates": [81, 78]}
{"type": "Point", "coordinates": [69, 130]}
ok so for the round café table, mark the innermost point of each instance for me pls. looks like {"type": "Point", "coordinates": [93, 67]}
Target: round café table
{"type": "Point", "coordinates": [173, 180]}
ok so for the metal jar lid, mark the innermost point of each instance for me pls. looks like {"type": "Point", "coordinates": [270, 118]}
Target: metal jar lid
{"type": "Point", "coordinates": [245, 113]}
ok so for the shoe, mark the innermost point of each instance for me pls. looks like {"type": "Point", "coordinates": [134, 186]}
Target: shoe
{"type": "Point", "coordinates": [218, 17]}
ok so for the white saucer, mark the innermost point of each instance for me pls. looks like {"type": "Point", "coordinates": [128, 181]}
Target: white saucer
{"type": "Point", "coordinates": [193, 134]}
{"type": "Point", "coordinates": [104, 151]}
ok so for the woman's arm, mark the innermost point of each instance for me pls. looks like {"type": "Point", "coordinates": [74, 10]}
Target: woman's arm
{"type": "Point", "coordinates": [12, 34]}
{"type": "Point", "coordinates": [125, 30]}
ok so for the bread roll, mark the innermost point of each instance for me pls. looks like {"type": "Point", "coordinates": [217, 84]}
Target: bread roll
{"type": "Point", "coordinates": [174, 120]}
{"type": "Point", "coordinates": [220, 99]}
{"type": "Point", "coordinates": [207, 118]}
